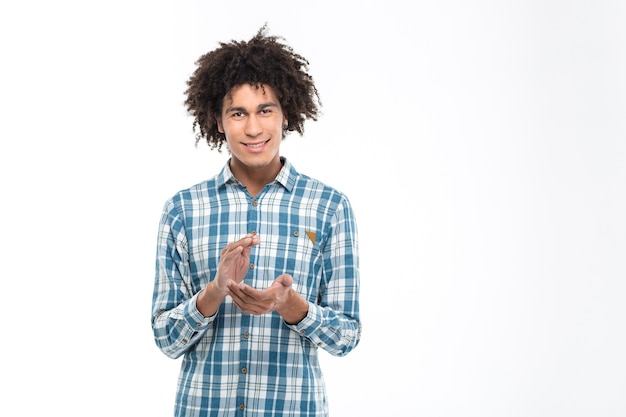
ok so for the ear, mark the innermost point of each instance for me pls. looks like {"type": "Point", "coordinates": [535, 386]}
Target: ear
{"type": "Point", "coordinates": [220, 128]}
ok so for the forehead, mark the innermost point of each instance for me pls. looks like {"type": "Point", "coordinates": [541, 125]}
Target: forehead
{"type": "Point", "coordinates": [246, 93]}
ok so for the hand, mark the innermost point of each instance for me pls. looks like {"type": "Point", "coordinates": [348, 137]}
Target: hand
{"type": "Point", "coordinates": [279, 296]}
{"type": "Point", "coordinates": [234, 262]}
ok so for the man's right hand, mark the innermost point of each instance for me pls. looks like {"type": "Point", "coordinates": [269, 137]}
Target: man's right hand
{"type": "Point", "coordinates": [235, 262]}
{"type": "Point", "coordinates": [233, 267]}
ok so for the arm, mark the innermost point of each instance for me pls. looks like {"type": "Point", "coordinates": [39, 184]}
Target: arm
{"type": "Point", "coordinates": [334, 322]}
{"type": "Point", "coordinates": [176, 321]}
{"type": "Point", "coordinates": [179, 317]}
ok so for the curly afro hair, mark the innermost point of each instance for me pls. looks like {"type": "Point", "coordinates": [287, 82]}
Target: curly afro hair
{"type": "Point", "coordinates": [263, 60]}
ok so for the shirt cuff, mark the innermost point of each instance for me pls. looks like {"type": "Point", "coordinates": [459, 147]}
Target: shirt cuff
{"type": "Point", "coordinates": [309, 324]}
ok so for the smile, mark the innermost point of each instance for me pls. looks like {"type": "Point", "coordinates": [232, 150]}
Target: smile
{"type": "Point", "coordinates": [256, 145]}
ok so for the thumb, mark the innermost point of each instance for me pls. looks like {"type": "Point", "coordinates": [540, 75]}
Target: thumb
{"type": "Point", "coordinates": [285, 279]}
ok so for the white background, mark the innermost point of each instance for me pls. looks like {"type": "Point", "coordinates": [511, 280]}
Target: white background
{"type": "Point", "coordinates": [482, 144]}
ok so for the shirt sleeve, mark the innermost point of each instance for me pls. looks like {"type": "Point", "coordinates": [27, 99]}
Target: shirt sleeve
{"type": "Point", "coordinates": [176, 322]}
{"type": "Point", "coordinates": [334, 324]}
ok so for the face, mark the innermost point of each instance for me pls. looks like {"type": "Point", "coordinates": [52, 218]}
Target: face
{"type": "Point", "coordinates": [252, 121]}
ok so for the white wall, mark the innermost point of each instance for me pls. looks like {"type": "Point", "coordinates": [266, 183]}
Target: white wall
{"type": "Point", "coordinates": [481, 143]}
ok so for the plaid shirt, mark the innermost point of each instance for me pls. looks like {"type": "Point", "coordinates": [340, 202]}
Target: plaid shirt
{"type": "Point", "coordinates": [236, 364]}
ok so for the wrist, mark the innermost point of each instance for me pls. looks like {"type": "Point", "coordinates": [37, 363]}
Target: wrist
{"type": "Point", "coordinates": [294, 309]}
{"type": "Point", "coordinates": [209, 299]}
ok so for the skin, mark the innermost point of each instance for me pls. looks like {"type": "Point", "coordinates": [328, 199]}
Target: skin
{"type": "Point", "coordinates": [252, 121]}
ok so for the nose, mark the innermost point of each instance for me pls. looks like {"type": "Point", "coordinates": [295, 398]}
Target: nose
{"type": "Point", "coordinates": [253, 126]}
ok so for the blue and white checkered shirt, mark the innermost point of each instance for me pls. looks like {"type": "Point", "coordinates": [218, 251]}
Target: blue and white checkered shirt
{"type": "Point", "coordinates": [237, 364]}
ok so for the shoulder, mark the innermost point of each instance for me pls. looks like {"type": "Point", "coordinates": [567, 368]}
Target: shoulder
{"type": "Point", "coordinates": [309, 183]}
{"type": "Point", "coordinates": [303, 185]}
{"type": "Point", "coordinates": [191, 196]}
{"type": "Point", "coordinates": [326, 196]}
{"type": "Point", "coordinates": [203, 190]}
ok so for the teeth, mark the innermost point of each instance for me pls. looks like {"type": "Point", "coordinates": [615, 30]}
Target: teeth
{"type": "Point", "coordinates": [256, 145]}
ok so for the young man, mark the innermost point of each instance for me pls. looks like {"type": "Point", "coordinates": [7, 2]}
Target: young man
{"type": "Point", "coordinates": [257, 268]}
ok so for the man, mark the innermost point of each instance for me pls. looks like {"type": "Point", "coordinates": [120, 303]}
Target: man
{"type": "Point", "coordinates": [257, 268]}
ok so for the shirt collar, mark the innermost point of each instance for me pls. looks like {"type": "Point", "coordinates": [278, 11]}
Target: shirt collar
{"type": "Point", "coordinates": [286, 176]}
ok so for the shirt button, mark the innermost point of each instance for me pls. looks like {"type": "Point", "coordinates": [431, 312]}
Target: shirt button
{"type": "Point", "coordinates": [244, 371]}
{"type": "Point", "coordinates": [198, 324]}
{"type": "Point", "coordinates": [253, 232]}
{"type": "Point", "coordinates": [302, 331]}
{"type": "Point", "coordinates": [251, 266]}
{"type": "Point", "coordinates": [242, 407]}
{"type": "Point", "coordinates": [246, 335]}
{"type": "Point", "coordinates": [255, 203]}
{"type": "Point", "coordinates": [295, 233]}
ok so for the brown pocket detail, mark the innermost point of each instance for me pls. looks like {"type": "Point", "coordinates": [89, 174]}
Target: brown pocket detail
{"type": "Point", "coordinates": [311, 236]}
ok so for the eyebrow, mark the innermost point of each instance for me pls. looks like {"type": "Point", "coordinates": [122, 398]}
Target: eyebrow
{"type": "Point", "coordinates": [259, 107]}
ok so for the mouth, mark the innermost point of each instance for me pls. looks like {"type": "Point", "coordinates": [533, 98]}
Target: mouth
{"type": "Point", "coordinates": [256, 145]}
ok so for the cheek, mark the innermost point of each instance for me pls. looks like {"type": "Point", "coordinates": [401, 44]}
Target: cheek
{"type": "Point", "coordinates": [273, 126]}
{"type": "Point", "coordinates": [229, 128]}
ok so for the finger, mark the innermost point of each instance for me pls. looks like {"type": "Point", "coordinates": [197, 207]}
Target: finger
{"type": "Point", "coordinates": [231, 251]}
{"type": "Point", "coordinates": [233, 288]}
{"type": "Point", "coordinates": [236, 298]}
{"type": "Point", "coordinates": [247, 240]}
{"type": "Point", "coordinates": [239, 304]}
{"type": "Point", "coordinates": [245, 305]}
{"type": "Point", "coordinates": [250, 238]}
{"type": "Point", "coordinates": [249, 293]}
{"type": "Point", "coordinates": [237, 292]}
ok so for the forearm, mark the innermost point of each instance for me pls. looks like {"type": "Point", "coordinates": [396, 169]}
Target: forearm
{"type": "Point", "coordinates": [210, 299]}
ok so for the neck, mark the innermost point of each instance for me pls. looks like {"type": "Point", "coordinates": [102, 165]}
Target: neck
{"type": "Point", "coordinates": [254, 178]}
